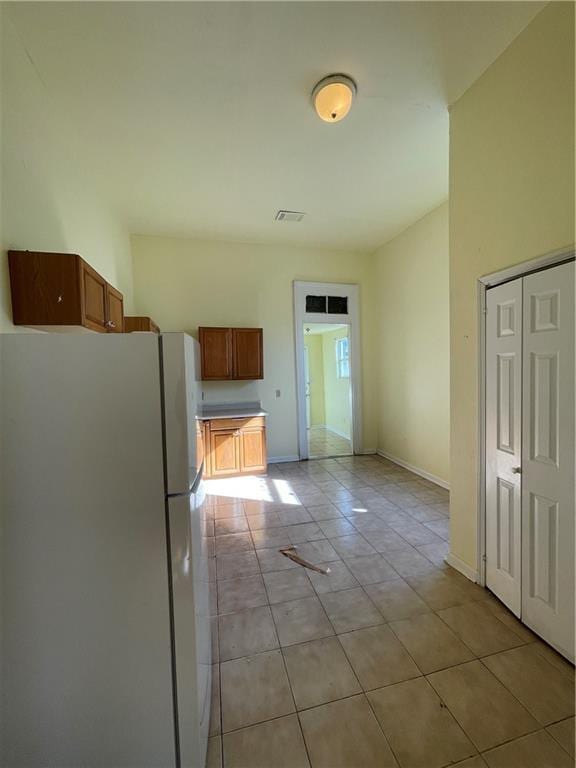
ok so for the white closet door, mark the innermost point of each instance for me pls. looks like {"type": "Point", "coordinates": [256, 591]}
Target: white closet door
{"type": "Point", "coordinates": [548, 506]}
{"type": "Point", "coordinates": [503, 442]}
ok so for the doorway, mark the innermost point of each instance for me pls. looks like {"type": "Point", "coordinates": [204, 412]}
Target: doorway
{"type": "Point", "coordinates": [329, 400]}
{"type": "Point", "coordinates": [529, 450]}
{"type": "Point", "coordinates": [327, 370]}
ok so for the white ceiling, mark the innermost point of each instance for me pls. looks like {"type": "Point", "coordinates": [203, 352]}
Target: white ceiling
{"type": "Point", "coordinates": [196, 119]}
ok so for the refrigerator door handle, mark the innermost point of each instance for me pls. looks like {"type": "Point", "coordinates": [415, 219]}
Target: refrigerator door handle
{"type": "Point", "coordinates": [193, 489]}
{"type": "Point", "coordinates": [198, 480]}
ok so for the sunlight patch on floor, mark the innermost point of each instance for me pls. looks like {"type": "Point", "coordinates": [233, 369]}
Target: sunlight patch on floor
{"type": "Point", "coordinates": [251, 488]}
{"type": "Point", "coordinates": [285, 493]}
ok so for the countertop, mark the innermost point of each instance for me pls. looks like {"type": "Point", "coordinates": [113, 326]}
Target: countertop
{"type": "Point", "coordinates": [230, 411]}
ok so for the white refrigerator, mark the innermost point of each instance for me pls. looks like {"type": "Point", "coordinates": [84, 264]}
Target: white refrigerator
{"type": "Point", "coordinates": [105, 611]}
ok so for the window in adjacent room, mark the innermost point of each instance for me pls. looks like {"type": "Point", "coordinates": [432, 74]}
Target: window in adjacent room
{"type": "Point", "coordinates": [342, 358]}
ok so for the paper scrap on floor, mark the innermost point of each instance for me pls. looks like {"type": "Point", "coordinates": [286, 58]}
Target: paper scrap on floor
{"type": "Point", "coordinates": [290, 552]}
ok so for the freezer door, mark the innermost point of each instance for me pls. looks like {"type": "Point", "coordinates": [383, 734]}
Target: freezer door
{"type": "Point", "coordinates": [180, 364]}
{"type": "Point", "coordinates": [191, 620]}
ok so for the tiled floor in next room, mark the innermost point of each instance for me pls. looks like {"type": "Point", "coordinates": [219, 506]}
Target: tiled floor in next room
{"type": "Point", "coordinates": [323, 442]}
{"type": "Point", "coordinates": [392, 659]}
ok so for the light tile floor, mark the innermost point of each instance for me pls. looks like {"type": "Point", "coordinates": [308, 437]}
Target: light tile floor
{"type": "Point", "coordinates": [323, 443]}
{"type": "Point", "coordinates": [392, 659]}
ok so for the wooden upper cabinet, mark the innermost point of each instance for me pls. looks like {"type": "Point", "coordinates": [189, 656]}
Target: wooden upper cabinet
{"type": "Point", "coordinates": [60, 289]}
{"type": "Point", "coordinates": [231, 353]}
{"type": "Point", "coordinates": [46, 288]}
{"type": "Point", "coordinates": [247, 349]}
{"type": "Point", "coordinates": [216, 352]}
{"type": "Point", "coordinates": [139, 323]}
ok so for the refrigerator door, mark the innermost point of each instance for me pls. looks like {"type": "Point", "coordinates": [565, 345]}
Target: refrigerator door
{"type": "Point", "coordinates": [180, 363]}
{"type": "Point", "coordinates": [86, 640]}
{"type": "Point", "coordinates": [191, 618]}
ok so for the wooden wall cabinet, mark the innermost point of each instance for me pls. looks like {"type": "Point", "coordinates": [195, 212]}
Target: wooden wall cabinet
{"type": "Point", "coordinates": [231, 353]}
{"type": "Point", "coordinates": [61, 289]}
{"type": "Point", "coordinates": [235, 447]}
{"type": "Point", "coordinates": [139, 323]}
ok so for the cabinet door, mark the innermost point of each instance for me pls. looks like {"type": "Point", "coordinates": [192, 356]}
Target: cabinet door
{"type": "Point", "coordinates": [207, 449]}
{"type": "Point", "coordinates": [253, 450]}
{"type": "Point", "coordinates": [248, 358]}
{"type": "Point", "coordinates": [224, 452]}
{"type": "Point", "coordinates": [216, 352]}
{"type": "Point", "coordinates": [115, 310]}
{"type": "Point", "coordinates": [94, 298]}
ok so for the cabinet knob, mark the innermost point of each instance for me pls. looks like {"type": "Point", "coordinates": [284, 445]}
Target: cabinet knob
{"type": "Point", "coordinates": [517, 470]}
{"type": "Point", "coordinates": [110, 324]}
{"type": "Point", "coordinates": [59, 299]}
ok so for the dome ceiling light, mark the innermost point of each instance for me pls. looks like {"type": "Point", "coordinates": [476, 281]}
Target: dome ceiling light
{"type": "Point", "coordinates": [333, 96]}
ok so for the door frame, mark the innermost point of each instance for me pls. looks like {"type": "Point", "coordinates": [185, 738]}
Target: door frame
{"type": "Point", "coordinates": [307, 394]}
{"type": "Point", "coordinates": [552, 259]}
{"type": "Point", "coordinates": [352, 320]}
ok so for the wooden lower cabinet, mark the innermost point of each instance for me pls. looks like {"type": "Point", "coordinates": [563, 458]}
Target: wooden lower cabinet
{"type": "Point", "coordinates": [235, 447]}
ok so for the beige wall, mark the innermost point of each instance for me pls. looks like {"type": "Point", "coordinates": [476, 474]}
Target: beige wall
{"type": "Point", "coordinates": [313, 341]}
{"type": "Point", "coordinates": [186, 283]}
{"type": "Point", "coordinates": [48, 201]}
{"type": "Point", "coordinates": [337, 393]}
{"type": "Point", "coordinates": [511, 199]}
{"type": "Point", "coordinates": [413, 347]}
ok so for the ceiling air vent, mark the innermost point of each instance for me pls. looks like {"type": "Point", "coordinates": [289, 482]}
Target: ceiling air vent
{"type": "Point", "coordinates": [289, 216]}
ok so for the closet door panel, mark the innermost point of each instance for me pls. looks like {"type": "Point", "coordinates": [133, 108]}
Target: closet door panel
{"type": "Point", "coordinates": [548, 504]}
{"type": "Point", "coordinates": [503, 442]}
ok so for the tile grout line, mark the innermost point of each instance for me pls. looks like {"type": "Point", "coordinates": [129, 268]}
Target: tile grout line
{"type": "Point", "coordinates": [556, 740]}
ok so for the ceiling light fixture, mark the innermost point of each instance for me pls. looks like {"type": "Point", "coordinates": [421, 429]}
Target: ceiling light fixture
{"type": "Point", "coordinates": [333, 96]}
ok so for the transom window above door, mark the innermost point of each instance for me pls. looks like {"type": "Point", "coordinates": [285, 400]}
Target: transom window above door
{"type": "Point", "coordinates": [327, 305]}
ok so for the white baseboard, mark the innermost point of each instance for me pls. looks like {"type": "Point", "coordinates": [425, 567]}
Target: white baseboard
{"type": "Point", "coordinates": [282, 459]}
{"type": "Point", "coordinates": [462, 567]}
{"type": "Point", "coordinates": [416, 470]}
